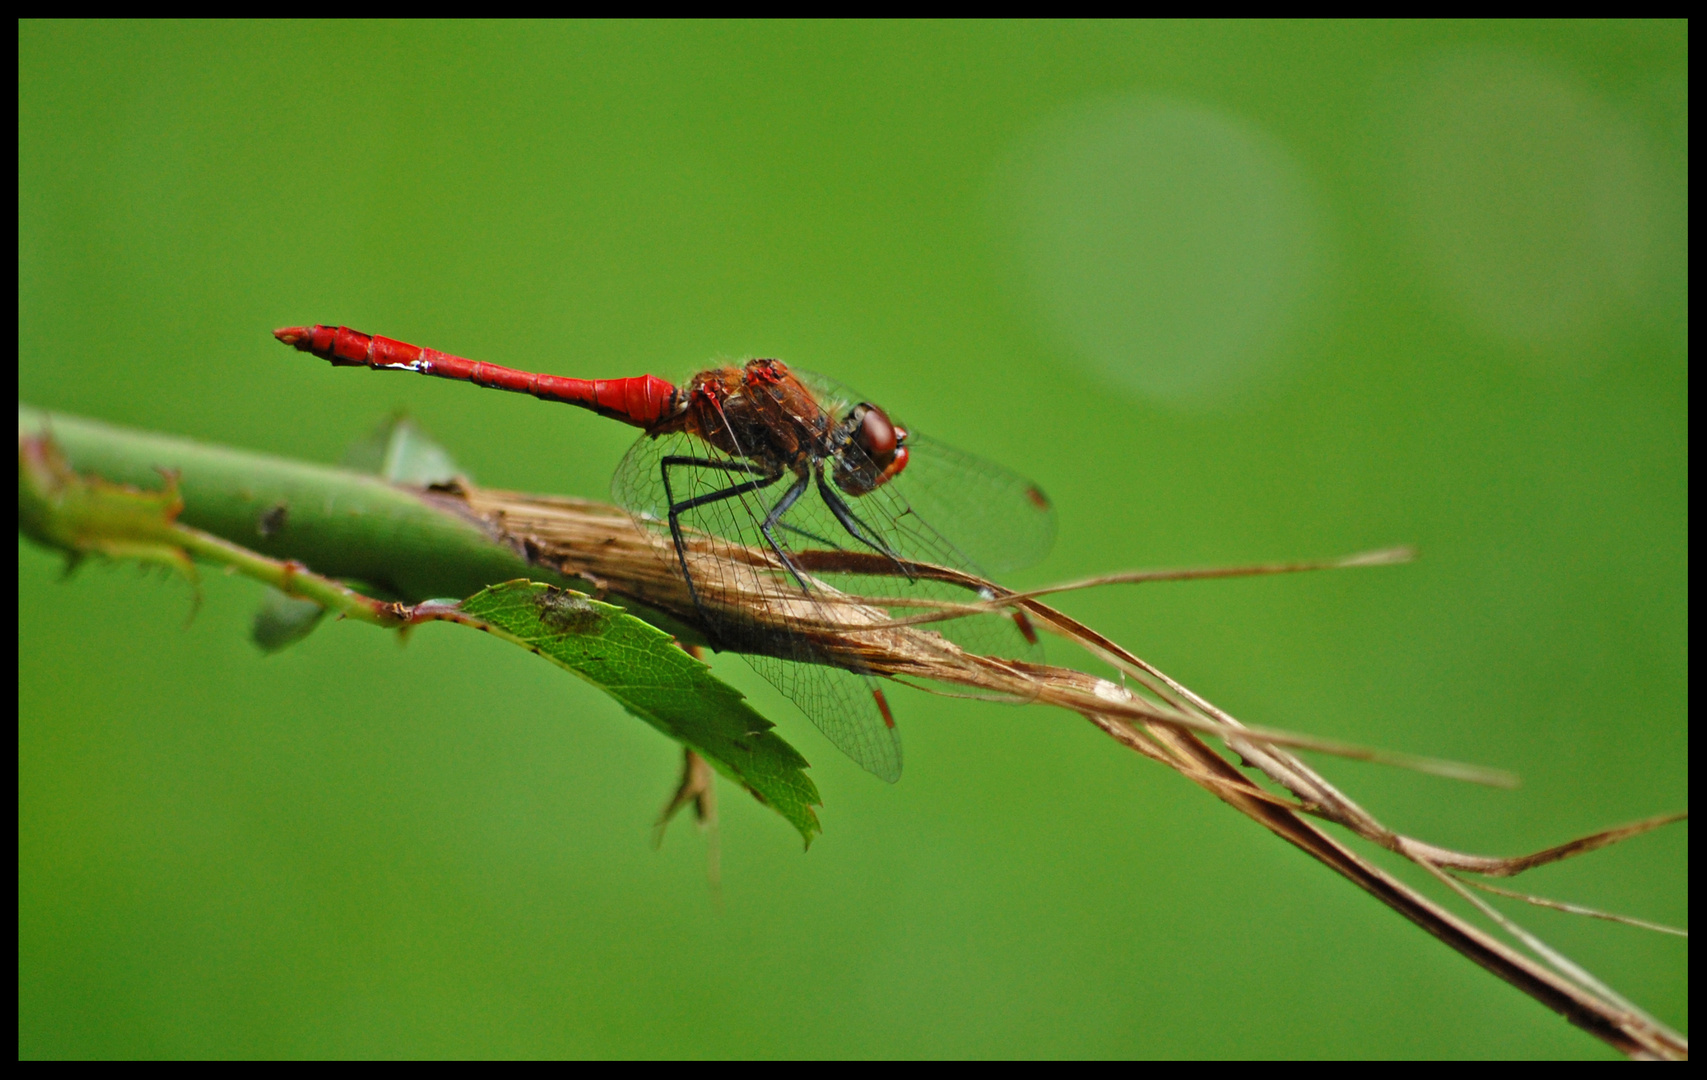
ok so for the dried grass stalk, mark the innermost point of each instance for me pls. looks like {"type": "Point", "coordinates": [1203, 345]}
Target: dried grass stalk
{"type": "Point", "coordinates": [1162, 720]}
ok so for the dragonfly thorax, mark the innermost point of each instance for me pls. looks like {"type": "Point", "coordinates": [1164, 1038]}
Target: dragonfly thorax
{"type": "Point", "coordinates": [760, 413]}
{"type": "Point", "coordinates": [763, 413]}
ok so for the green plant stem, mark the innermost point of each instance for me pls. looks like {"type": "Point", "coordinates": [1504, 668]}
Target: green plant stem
{"type": "Point", "coordinates": [345, 525]}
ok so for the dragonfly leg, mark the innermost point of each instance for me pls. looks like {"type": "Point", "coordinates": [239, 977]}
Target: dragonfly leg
{"type": "Point", "coordinates": [788, 499]}
{"type": "Point", "coordinates": [717, 463]}
{"type": "Point", "coordinates": [676, 510]}
{"type": "Point", "coordinates": [855, 527]}
{"type": "Point", "coordinates": [826, 542]}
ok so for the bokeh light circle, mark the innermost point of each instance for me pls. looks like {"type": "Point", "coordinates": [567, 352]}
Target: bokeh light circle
{"type": "Point", "coordinates": [1169, 243]}
{"type": "Point", "coordinates": [1534, 203]}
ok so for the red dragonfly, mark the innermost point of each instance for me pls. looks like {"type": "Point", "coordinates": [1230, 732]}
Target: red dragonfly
{"type": "Point", "coordinates": [763, 457]}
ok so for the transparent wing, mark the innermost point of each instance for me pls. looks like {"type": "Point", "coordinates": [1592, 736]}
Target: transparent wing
{"type": "Point", "coordinates": [990, 517]}
{"type": "Point", "coordinates": [999, 519]}
{"type": "Point", "coordinates": [803, 547]}
{"type": "Point", "coordinates": [894, 525]}
{"type": "Point", "coordinates": [721, 504]}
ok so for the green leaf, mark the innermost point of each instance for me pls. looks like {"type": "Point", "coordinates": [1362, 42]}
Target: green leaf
{"type": "Point", "coordinates": [399, 451]}
{"type": "Point", "coordinates": [656, 680]}
{"type": "Point", "coordinates": [284, 620]}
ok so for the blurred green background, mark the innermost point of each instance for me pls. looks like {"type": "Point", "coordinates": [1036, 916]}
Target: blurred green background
{"type": "Point", "coordinates": [1230, 293]}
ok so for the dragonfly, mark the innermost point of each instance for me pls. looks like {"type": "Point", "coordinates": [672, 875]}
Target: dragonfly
{"type": "Point", "coordinates": [835, 496]}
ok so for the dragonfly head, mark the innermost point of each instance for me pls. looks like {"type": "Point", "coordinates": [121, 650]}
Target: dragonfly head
{"type": "Point", "coordinates": [873, 450]}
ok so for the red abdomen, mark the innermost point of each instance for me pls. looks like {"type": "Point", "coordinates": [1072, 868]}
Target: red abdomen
{"type": "Point", "coordinates": [643, 400]}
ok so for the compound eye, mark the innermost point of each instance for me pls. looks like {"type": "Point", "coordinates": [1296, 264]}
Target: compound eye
{"type": "Point", "coordinates": [876, 434]}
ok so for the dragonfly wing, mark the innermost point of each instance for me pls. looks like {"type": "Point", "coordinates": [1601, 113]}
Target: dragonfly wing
{"type": "Point", "coordinates": [952, 509]}
{"type": "Point", "coordinates": [720, 504]}
{"type": "Point", "coordinates": [886, 515]}
{"type": "Point", "coordinates": [868, 547]}
{"type": "Point", "coordinates": [844, 706]}
{"type": "Point", "coordinates": [997, 518]}
{"type": "Point", "coordinates": [976, 514]}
